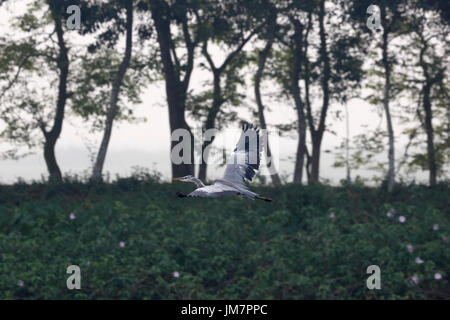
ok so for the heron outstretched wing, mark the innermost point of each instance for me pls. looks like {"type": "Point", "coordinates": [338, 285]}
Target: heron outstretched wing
{"type": "Point", "coordinates": [245, 159]}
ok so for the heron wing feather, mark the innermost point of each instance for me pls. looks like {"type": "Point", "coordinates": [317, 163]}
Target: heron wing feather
{"type": "Point", "coordinates": [245, 159]}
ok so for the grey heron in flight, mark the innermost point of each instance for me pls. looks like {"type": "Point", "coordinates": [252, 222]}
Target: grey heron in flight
{"type": "Point", "coordinates": [241, 166]}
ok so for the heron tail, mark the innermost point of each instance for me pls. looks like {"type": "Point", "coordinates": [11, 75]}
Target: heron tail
{"type": "Point", "coordinates": [263, 198]}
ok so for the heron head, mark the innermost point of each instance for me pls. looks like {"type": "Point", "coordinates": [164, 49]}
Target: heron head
{"type": "Point", "coordinates": [187, 178]}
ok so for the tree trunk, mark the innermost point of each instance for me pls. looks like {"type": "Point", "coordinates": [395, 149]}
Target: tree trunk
{"type": "Point", "coordinates": [430, 134]}
{"type": "Point", "coordinates": [175, 89]}
{"type": "Point", "coordinates": [52, 136]}
{"type": "Point", "coordinates": [210, 122]}
{"type": "Point", "coordinates": [299, 106]}
{"type": "Point", "coordinates": [258, 77]}
{"type": "Point", "coordinates": [430, 80]}
{"type": "Point", "coordinates": [50, 160]}
{"type": "Point", "coordinates": [308, 165]}
{"type": "Point", "coordinates": [347, 144]}
{"type": "Point", "coordinates": [113, 108]}
{"type": "Point", "coordinates": [315, 158]}
{"type": "Point", "coordinates": [386, 99]}
{"type": "Point", "coordinates": [317, 135]}
{"type": "Point", "coordinates": [309, 117]}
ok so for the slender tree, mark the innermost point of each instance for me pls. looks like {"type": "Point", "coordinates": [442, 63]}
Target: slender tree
{"type": "Point", "coordinates": [262, 58]}
{"type": "Point", "coordinates": [177, 81]}
{"type": "Point", "coordinates": [298, 40]}
{"type": "Point", "coordinates": [287, 69]}
{"type": "Point", "coordinates": [431, 79]}
{"type": "Point", "coordinates": [424, 80]}
{"type": "Point", "coordinates": [62, 62]}
{"type": "Point", "coordinates": [335, 69]}
{"type": "Point", "coordinates": [34, 54]}
{"type": "Point", "coordinates": [386, 97]}
{"type": "Point", "coordinates": [317, 133]}
{"type": "Point", "coordinates": [392, 18]}
{"type": "Point", "coordinates": [113, 102]}
{"type": "Point", "coordinates": [224, 23]}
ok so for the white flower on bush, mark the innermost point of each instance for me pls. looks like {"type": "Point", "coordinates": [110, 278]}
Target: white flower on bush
{"type": "Point", "coordinates": [437, 276]}
{"type": "Point", "coordinates": [410, 248]}
{"type": "Point", "coordinates": [415, 279]}
{"type": "Point", "coordinates": [176, 274]}
{"type": "Point", "coordinates": [418, 260]}
{"type": "Point", "coordinates": [435, 227]}
{"type": "Point", "coordinates": [121, 244]}
{"type": "Point", "coordinates": [72, 216]}
{"type": "Point", "coordinates": [20, 283]}
{"type": "Point", "coordinates": [401, 219]}
{"type": "Point", "coordinates": [332, 215]}
{"type": "Point", "coordinates": [390, 213]}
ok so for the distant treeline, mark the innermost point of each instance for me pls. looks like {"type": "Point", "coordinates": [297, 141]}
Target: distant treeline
{"type": "Point", "coordinates": [94, 63]}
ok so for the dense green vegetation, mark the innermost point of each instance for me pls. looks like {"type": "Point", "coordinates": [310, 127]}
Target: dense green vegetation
{"type": "Point", "coordinates": [313, 242]}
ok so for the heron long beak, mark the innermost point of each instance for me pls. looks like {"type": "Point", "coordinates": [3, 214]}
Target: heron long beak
{"type": "Point", "coordinates": [176, 179]}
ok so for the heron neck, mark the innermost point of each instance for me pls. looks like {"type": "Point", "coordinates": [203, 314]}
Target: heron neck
{"type": "Point", "coordinates": [198, 182]}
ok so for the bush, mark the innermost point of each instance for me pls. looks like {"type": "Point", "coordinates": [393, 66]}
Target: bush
{"type": "Point", "coordinates": [134, 239]}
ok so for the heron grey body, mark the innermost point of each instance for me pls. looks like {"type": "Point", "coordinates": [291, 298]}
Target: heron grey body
{"type": "Point", "coordinates": [215, 190]}
{"type": "Point", "coordinates": [243, 163]}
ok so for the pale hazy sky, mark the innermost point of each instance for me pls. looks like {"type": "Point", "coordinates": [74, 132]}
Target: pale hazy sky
{"type": "Point", "coordinates": [147, 144]}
